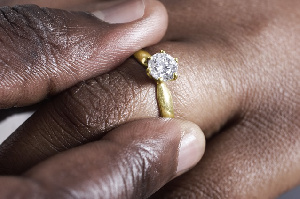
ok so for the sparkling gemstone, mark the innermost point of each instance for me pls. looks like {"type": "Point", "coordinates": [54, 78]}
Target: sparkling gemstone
{"type": "Point", "coordinates": [162, 65]}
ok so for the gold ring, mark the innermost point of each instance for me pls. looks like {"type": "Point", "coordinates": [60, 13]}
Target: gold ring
{"type": "Point", "coordinates": [160, 67]}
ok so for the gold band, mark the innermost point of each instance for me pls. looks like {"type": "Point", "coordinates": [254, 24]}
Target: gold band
{"type": "Point", "coordinates": [164, 97]}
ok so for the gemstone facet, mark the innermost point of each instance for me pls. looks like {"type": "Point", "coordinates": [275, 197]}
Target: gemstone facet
{"type": "Point", "coordinates": [162, 65]}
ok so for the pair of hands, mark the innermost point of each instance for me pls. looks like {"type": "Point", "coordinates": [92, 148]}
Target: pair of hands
{"type": "Point", "coordinates": [239, 81]}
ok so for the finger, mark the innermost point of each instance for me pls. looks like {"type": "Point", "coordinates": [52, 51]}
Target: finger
{"type": "Point", "coordinates": [132, 161]}
{"type": "Point", "coordinates": [258, 158]}
{"type": "Point", "coordinates": [44, 51]}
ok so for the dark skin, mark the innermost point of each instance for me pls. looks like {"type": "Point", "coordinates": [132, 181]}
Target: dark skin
{"type": "Point", "coordinates": [131, 154]}
{"type": "Point", "coordinates": [239, 81]}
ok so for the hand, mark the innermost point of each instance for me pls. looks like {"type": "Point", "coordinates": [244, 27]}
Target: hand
{"type": "Point", "coordinates": [238, 81]}
{"type": "Point", "coordinates": [129, 162]}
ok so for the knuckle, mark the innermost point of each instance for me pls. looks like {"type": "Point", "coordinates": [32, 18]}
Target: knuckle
{"type": "Point", "coordinates": [98, 105]}
{"type": "Point", "coordinates": [35, 42]}
{"type": "Point", "coordinates": [57, 132]}
{"type": "Point", "coordinates": [27, 32]}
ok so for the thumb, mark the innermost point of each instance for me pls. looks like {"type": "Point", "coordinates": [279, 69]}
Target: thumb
{"type": "Point", "coordinates": [132, 161]}
{"type": "Point", "coordinates": [44, 51]}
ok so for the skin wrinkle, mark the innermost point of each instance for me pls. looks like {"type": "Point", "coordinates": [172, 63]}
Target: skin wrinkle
{"type": "Point", "coordinates": [39, 71]}
{"type": "Point", "coordinates": [36, 148]}
{"type": "Point", "coordinates": [69, 134]}
{"type": "Point", "coordinates": [48, 134]}
{"type": "Point", "coordinates": [73, 48]}
{"type": "Point", "coordinates": [12, 79]}
{"type": "Point", "coordinates": [129, 99]}
{"type": "Point", "coordinates": [55, 139]}
{"type": "Point", "coordinates": [115, 44]}
{"type": "Point", "coordinates": [49, 141]}
{"type": "Point", "coordinates": [145, 157]}
{"type": "Point", "coordinates": [38, 41]}
{"type": "Point", "coordinates": [138, 168]}
{"type": "Point", "coordinates": [40, 151]}
{"type": "Point", "coordinates": [76, 120]}
{"type": "Point", "coordinates": [38, 38]}
{"type": "Point", "coordinates": [73, 121]}
{"type": "Point", "coordinates": [120, 79]}
{"type": "Point", "coordinates": [52, 138]}
{"type": "Point", "coordinates": [111, 109]}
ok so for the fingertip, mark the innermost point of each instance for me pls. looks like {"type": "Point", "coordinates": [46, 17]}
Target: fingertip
{"type": "Point", "coordinates": [146, 31]}
{"type": "Point", "coordinates": [191, 147]}
{"type": "Point", "coordinates": [157, 14]}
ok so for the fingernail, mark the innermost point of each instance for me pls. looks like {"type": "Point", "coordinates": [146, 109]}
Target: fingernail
{"type": "Point", "coordinates": [191, 148]}
{"type": "Point", "coordinates": [125, 12]}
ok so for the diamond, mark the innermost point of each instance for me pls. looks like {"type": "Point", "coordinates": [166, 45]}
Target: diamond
{"type": "Point", "coordinates": [162, 65]}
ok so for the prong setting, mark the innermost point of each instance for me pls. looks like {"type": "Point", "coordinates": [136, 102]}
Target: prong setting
{"type": "Point", "coordinates": [162, 51]}
{"type": "Point", "coordinates": [175, 76]}
{"type": "Point", "coordinates": [145, 61]}
{"type": "Point", "coordinates": [160, 80]}
{"type": "Point", "coordinates": [148, 71]}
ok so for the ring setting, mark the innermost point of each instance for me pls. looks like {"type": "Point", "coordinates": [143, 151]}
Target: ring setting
{"type": "Point", "coordinates": [160, 67]}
